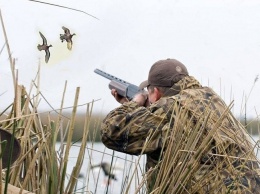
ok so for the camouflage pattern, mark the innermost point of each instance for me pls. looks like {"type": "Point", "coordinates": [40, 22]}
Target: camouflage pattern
{"type": "Point", "coordinates": [192, 120]}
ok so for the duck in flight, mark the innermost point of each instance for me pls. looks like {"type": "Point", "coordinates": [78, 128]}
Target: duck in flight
{"type": "Point", "coordinates": [67, 36]}
{"type": "Point", "coordinates": [108, 170]}
{"type": "Point", "coordinates": [44, 46]}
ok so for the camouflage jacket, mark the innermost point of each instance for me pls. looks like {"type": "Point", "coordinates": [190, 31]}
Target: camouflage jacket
{"type": "Point", "coordinates": [192, 142]}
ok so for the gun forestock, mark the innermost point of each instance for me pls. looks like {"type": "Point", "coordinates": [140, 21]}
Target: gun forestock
{"type": "Point", "coordinates": [119, 87]}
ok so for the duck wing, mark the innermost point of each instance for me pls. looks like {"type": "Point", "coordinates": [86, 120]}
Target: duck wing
{"type": "Point", "coordinates": [47, 55]}
{"type": "Point", "coordinates": [66, 30]}
{"type": "Point", "coordinates": [44, 40]}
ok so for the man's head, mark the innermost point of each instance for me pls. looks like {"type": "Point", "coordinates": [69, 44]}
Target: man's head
{"type": "Point", "coordinates": [162, 75]}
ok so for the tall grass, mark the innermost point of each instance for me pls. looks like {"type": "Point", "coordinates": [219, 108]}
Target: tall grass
{"type": "Point", "coordinates": [40, 169]}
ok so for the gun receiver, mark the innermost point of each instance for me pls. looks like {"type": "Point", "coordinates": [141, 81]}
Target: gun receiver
{"type": "Point", "coordinates": [122, 87]}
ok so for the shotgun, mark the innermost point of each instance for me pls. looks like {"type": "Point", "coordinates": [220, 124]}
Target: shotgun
{"type": "Point", "coordinates": [122, 87]}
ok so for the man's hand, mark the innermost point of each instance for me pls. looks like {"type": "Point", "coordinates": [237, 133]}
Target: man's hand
{"type": "Point", "coordinates": [118, 97]}
{"type": "Point", "coordinates": [142, 99]}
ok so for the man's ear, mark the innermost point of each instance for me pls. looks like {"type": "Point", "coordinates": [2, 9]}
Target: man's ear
{"type": "Point", "coordinates": [158, 94]}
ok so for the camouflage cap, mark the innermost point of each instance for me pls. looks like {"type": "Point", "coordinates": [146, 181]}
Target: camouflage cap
{"type": "Point", "coordinates": [165, 73]}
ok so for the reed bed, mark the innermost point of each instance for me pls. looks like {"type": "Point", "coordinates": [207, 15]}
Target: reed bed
{"type": "Point", "coordinates": [40, 168]}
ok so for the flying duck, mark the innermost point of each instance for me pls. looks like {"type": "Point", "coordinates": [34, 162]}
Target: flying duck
{"type": "Point", "coordinates": [108, 171]}
{"type": "Point", "coordinates": [106, 167]}
{"type": "Point", "coordinates": [44, 47]}
{"type": "Point", "coordinates": [67, 36]}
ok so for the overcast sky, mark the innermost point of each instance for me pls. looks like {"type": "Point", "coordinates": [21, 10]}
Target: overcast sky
{"type": "Point", "coordinates": [218, 41]}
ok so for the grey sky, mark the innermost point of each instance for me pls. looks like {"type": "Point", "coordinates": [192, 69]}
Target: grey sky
{"type": "Point", "coordinates": [218, 41]}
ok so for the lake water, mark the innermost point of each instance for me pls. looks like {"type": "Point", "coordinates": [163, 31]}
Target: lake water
{"type": "Point", "coordinates": [94, 181]}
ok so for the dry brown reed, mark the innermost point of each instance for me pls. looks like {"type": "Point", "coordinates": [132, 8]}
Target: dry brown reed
{"type": "Point", "coordinates": [40, 169]}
